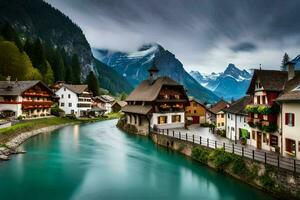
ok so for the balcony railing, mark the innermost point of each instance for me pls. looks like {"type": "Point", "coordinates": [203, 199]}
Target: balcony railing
{"type": "Point", "coordinates": [36, 104]}
{"type": "Point", "coordinates": [262, 109]}
{"type": "Point", "coordinates": [37, 94]}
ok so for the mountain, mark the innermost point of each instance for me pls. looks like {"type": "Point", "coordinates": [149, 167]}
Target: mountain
{"type": "Point", "coordinates": [134, 65]}
{"type": "Point", "coordinates": [110, 79]}
{"type": "Point", "coordinates": [38, 19]}
{"type": "Point", "coordinates": [232, 83]}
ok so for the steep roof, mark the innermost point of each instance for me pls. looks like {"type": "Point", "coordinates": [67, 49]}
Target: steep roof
{"type": "Point", "coordinates": [271, 80]}
{"type": "Point", "coordinates": [149, 92]}
{"type": "Point", "coordinates": [108, 98]}
{"type": "Point", "coordinates": [219, 106]}
{"type": "Point", "coordinates": [291, 91]}
{"type": "Point", "coordinates": [198, 102]}
{"type": "Point", "coordinates": [78, 89]}
{"type": "Point", "coordinates": [139, 109]}
{"type": "Point", "coordinates": [238, 106]}
{"type": "Point", "coordinates": [121, 103]}
{"type": "Point", "coordinates": [16, 88]}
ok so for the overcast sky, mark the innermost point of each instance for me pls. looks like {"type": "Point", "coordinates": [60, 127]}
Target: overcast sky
{"type": "Point", "coordinates": [205, 35]}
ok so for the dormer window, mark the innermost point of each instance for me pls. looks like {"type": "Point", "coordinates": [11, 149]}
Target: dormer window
{"type": "Point", "coordinates": [258, 85]}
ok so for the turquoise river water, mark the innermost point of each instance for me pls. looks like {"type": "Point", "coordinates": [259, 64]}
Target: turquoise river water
{"type": "Point", "coordinates": [98, 161]}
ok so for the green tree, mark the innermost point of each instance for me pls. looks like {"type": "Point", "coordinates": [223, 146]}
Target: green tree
{"type": "Point", "coordinates": [93, 83]}
{"type": "Point", "coordinates": [56, 61]}
{"type": "Point", "coordinates": [15, 63]}
{"type": "Point", "coordinates": [49, 77]}
{"type": "Point", "coordinates": [76, 68]}
{"type": "Point", "coordinates": [284, 61]}
{"type": "Point", "coordinates": [123, 96]}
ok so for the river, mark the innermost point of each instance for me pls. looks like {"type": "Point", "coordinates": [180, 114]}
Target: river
{"type": "Point", "coordinates": [98, 161]}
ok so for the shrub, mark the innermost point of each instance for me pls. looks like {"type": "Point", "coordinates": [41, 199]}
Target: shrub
{"type": "Point", "coordinates": [222, 132]}
{"type": "Point", "coordinates": [71, 116]}
{"type": "Point", "coordinates": [239, 166]}
{"type": "Point", "coordinates": [20, 117]}
{"type": "Point", "coordinates": [201, 154]}
{"type": "Point", "coordinates": [221, 158]}
{"type": "Point", "coordinates": [56, 111]}
{"type": "Point", "coordinates": [205, 124]}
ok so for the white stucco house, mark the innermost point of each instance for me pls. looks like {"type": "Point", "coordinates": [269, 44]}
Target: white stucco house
{"type": "Point", "coordinates": [236, 125]}
{"type": "Point", "coordinates": [75, 99]}
{"type": "Point", "coordinates": [104, 102]}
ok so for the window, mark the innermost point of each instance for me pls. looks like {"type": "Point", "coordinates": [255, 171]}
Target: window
{"type": "Point", "coordinates": [258, 99]}
{"type": "Point", "coordinates": [228, 115]}
{"type": "Point", "coordinates": [62, 104]}
{"type": "Point", "coordinates": [176, 118]}
{"type": "Point", "coordinates": [232, 129]}
{"type": "Point", "coordinates": [253, 135]}
{"type": "Point", "coordinates": [64, 89]}
{"type": "Point", "coordinates": [222, 123]}
{"type": "Point", "coordinates": [70, 104]}
{"type": "Point", "coordinates": [62, 96]}
{"type": "Point", "coordinates": [290, 146]}
{"type": "Point", "coordinates": [290, 119]}
{"type": "Point", "coordinates": [265, 138]}
{"type": "Point", "coordinates": [273, 140]}
{"type": "Point", "coordinates": [263, 99]}
{"type": "Point", "coordinates": [222, 115]}
{"type": "Point", "coordinates": [69, 96]}
{"type": "Point", "coordinates": [195, 111]}
{"type": "Point", "coordinates": [162, 120]}
{"type": "Point", "coordinates": [218, 124]}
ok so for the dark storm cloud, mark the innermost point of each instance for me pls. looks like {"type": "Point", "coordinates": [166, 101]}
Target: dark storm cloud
{"type": "Point", "coordinates": [243, 46]}
{"type": "Point", "coordinates": [195, 30]}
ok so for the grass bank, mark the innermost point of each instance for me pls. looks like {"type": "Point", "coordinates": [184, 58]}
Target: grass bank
{"type": "Point", "coordinates": [8, 133]}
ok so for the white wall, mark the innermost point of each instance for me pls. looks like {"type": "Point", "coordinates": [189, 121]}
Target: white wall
{"type": "Point", "coordinates": [291, 132]}
{"type": "Point", "coordinates": [63, 93]}
{"type": "Point", "coordinates": [169, 124]}
{"type": "Point", "coordinates": [236, 122]}
{"type": "Point", "coordinates": [17, 108]}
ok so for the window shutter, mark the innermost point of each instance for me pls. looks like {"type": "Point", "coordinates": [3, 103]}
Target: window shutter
{"type": "Point", "coordinates": [287, 118]}
{"type": "Point", "coordinates": [293, 119]}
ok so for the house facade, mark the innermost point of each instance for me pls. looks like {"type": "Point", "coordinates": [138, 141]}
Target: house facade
{"type": "Point", "coordinates": [196, 111]}
{"type": "Point", "coordinates": [290, 112]}
{"type": "Point", "coordinates": [221, 120]}
{"type": "Point", "coordinates": [75, 99]}
{"type": "Point", "coordinates": [263, 112]}
{"type": "Point", "coordinates": [214, 111]}
{"type": "Point", "coordinates": [118, 105]}
{"type": "Point", "coordinates": [104, 102]}
{"type": "Point", "coordinates": [236, 126]}
{"type": "Point", "coordinates": [158, 102]}
{"type": "Point", "coordinates": [25, 98]}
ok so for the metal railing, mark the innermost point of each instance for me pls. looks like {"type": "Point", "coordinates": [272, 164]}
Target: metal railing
{"type": "Point", "coordinates": [264, 157]}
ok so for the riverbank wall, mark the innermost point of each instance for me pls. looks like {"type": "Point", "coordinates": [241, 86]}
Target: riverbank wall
{"type": "Point", "coordinates": [282, 184]}
{"type": "Point", "coordinates": [11, 147]}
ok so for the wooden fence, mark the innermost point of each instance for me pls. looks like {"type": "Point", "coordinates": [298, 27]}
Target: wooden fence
{"type": "Point", "coordinates": [265, 157]}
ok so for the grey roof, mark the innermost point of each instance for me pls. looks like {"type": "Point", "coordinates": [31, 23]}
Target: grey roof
{"type": "Point", "coordinates": [238, 107]}
{"type": "Point", "coordinates": [121, 103]}
{"type": "Point", "coordinates": [289, 94]}
{"type": "Point", "coordinates": [16, 88]}
{"type": "Point", "coordinates": [78, 89]}
{"type": "Point", "coordinates": [149, 92]}
{"type": "Point", "coordinates": [138, 109]}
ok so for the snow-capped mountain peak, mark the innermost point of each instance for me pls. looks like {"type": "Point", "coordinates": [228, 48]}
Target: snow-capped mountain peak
{"type": "Point", "coordinates": [232, 83]}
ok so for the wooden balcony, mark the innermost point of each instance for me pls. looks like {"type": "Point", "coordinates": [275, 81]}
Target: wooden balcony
{"type": "Point", "coordinates": [36, 94]}
{"type": "Point", "coordinates": [36, 104]}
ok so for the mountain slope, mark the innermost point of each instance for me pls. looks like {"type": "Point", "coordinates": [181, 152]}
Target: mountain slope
{"type": "Point", "coordinates": [232, 83]}
{"type": "Point", "coordinates": [35, 18]}
{"type": "Point", "coordinates": [110, 79]}
{"type": "Point", "coordinates": [133, 66]}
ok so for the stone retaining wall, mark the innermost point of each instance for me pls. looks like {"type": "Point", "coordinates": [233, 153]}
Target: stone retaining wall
{"type": "Point", "coordinates": [286, 184]}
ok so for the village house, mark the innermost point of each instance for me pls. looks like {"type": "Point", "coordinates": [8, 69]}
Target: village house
{"type": "Point", "coordinates": [118, 105]}
{"type": "Point", "coordinates": [75, 99]}
{"type": "Point", "coordinates": [196, 112]}
{"type": "Point", "coordinates": [263, 111]}
{"type": "Point", "coordinates": [236, 125]}
{"type": "Point", "coordinates": [25, 98]}
{"type": "Point", "coordinates": [215, 113]}
{"type": "Point", "coordinates": [290, 112]}
{"type": "Point", "coordinates": [158, 102]}
{"type": "Point", "coordinates": [104, 102]}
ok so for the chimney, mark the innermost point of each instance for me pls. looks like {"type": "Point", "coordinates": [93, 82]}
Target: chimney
{"type": "Point", "coordinates": [8, 79]}
{"type": "Point", "coordinates": [291, 71]}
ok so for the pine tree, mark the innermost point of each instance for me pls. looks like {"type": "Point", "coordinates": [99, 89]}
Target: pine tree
{"type": "Point", "coordinates": [49, 77]}
{"type": "Point", "coordinates": [38, 57]}
{"type": "Point", "coordinates": [93, 83]}
{"type": "Point", "coordinates": [9, 33]}
{"type": "Point", "coordinates": [284, 61]}
{"type": "Point", "coordinates": [76, 68]}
